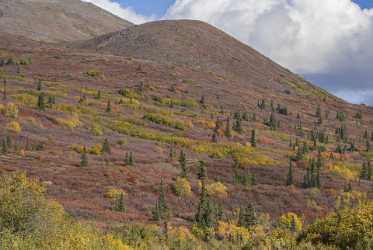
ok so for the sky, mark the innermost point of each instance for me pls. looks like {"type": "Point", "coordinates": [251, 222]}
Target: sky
{"type": "Point", "coordinates": [329, 42]}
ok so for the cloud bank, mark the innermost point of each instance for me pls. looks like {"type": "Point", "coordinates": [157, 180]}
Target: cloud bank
{"type": "Point", "coordinates": [327, 41]}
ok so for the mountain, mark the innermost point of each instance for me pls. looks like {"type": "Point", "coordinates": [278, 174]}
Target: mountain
{"type": "Point", "coordinates": [117, 114]}
{"type": "Point", "coordinates": [57, 20]}
{"type": "Point", "coordinates": [201, 46]}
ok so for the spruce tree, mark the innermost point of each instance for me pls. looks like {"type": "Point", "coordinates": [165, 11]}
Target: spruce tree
{"type": "Point", "coordinates": [247, 217]}
{"type": "Point", "coordinates": [204, 216]}
{"type": "Point", "coordinates": [4, 89]}
{"type": "Point", "coordinates": [39, 85]}
{"type": "Point", "coordinates": [4, 147]}
{"type": "Point", "coordinates": [161, 211]}
{"type": "Point", "coordinates": [237, 126]}
{"type": "Point", "coordinates": [106, 147]}
{"type": "Point", "coordinates": [41, 102]}
{"type": "Point", "coordinates": [289, 179]}
{"type": "Point", "coordinates": [228, 131]}
{"type": "Point", "coordinates": [84, 159]}
{"type": "Point", "coordinates": [119, 203]}
{"type": "Point", "coordinates": [202, 172]}
{"type": "Point", "coordinates": [183, 164]}
{"type": "Point", "coordinates": [253, 138]}
{"type": "Point", "coordinates": [108, 106]}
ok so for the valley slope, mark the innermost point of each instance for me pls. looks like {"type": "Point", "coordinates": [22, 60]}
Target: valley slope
{"type": "Point", "coordinates": [163, 88]}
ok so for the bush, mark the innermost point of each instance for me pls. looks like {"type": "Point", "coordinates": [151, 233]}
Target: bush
{"type": "Point", "coordinates": [182, 187]}
{"type": "Point", "coordinates": [290, 221]}
{"type": "Point", "coordinates": [69, 121]}
{"type": "Point", "coordinates": [164, 121]}
{"type": "Point", "coordinates": [9, 110]}
{"type": "Point", "coordinates": [29, 221]}
{"type": "Point", "coordinates": [14, 126]}
{"type": "Point", "coordinates": [217, 189]}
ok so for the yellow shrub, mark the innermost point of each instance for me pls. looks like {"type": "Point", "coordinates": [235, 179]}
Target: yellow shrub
{"type": "Point", "coordinates": [97, 130]}
{"type": "Point", "coordinates": [343, 170]}
{"type": "Point", "coordinates": [70, 122]}
{"type": "Point", "coordinates": [9, 110]}
{"type": "Point", "coordinates": [233, 233]}
{"type": "Point", "coordinates": [217, 189]}
{"type": "Point", "coordinates": [115, 244]}
{"type": "Point", "coordinates": [114, 193]}
{"type": "Point", "coordinates": [94, 150]}
{"type": "Point", "coordinates": [26, 99]}
{"type": "Point", "coordinates": [182, 187]}
{"type": "Point", "coordinates": [290, 221]}
{"type": "Point", "coordinates": [14, 126]}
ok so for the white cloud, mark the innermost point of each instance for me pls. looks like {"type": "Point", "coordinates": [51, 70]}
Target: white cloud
{"type": "Point", "coordinates": [115, 8]}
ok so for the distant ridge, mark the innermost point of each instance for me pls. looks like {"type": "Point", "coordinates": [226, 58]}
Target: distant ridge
{"type": "Point", "coordinates": [57, 20]}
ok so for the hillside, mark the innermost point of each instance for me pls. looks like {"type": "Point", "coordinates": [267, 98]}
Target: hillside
{"type": "Point", "coordinates": [103, 122]}
{"type": "Point", "coordinates": [56, 21]}
{"type": "Point", "coordinates": [200, 46]}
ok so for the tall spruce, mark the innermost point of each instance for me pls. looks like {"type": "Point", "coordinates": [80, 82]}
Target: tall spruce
{"type": "Point", "coordinates": [161, 210]}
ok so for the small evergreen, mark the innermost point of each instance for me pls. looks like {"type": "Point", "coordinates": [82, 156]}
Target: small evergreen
{"type": "Point", "coordinates": [253, 138]}
{"type": "Point", "coordinates": [161, 211]}
{"type": "Point", "coordinates": [84, 159]}
{"type": "Point", "coordinates": [247, 217]}
{"type": "Point", "coordinates": [41, 102]}
{"type": "Point", "coordinates": [205, 212]}
{"type": "Point", "coordinates": [289, 179]}
{"type": "Point", "coordinates": [202, 172]}
{"type": "Point", "coordinates": [119, 203]}
{"type": "Point", "coordinates": [228, 131]}
{"type": "Point", "coordinates": [106, 147]}
{"type": "Point", "coordinates": [183, 165]}
{"type": "Point", "coordinates": [108, 106]}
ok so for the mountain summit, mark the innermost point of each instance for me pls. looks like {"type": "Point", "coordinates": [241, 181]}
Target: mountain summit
{"type": "Point", "coordinates": [56, 20]}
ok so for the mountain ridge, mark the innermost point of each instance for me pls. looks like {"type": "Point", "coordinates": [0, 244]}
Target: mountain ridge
{"type": "Point", "coordinates": [57, 21]}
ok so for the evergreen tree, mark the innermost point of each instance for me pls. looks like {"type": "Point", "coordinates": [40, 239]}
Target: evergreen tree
{"type": "Point", "coordinates": [202, 172]}
{"type": "Point", "coordinates": [39, 85]}
{"type": "Point", "coordinates": [237, 125]}
{"type": "Point", "coordinates": [204, 216]}
{"type": "Point", "coordinates": [98, 95]}
{"type": "Point", "coordinates": [4, 89]}
{"type": "Point", "coordinates": [4, 147]}
{"type": "Point", "coordinates": [172, 152]}
{"type": "Point", "coordinates": [228, 131]}
{"type": "Point", "coordinates": [108, 106]}
{"type": "Point", "coordinates": [119, 203]}
{"type": "Point", "coordinates": [289, 179]}
{"type": "Point", "coordinates": [253, 138]}
{"type": "Point", "coordinates": [84, 159]}
{"type": "Point", "coordinates": [41, 102]}
{"type": "Point", "coordinates": [247, 217]}
{"type": "Point", "coordinates": [161, 211]}
{"type": "Point", "coordinates": [106, 147]}
{"type": "Point", "coordinates": [183, 165]}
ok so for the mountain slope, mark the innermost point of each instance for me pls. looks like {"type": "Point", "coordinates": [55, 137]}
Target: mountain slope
{"type": "Point", "coordinates": [55, 20]}
{"type": "Point", "coordinates": [201, 46]}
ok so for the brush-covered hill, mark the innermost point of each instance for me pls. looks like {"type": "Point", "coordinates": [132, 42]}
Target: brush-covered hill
{"type": "Point", "coordinates": [198, 45]}
{"type": "Point", "coordinates": [57, 20]}
{"type": "Point", "coordinates": [93, 125]}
